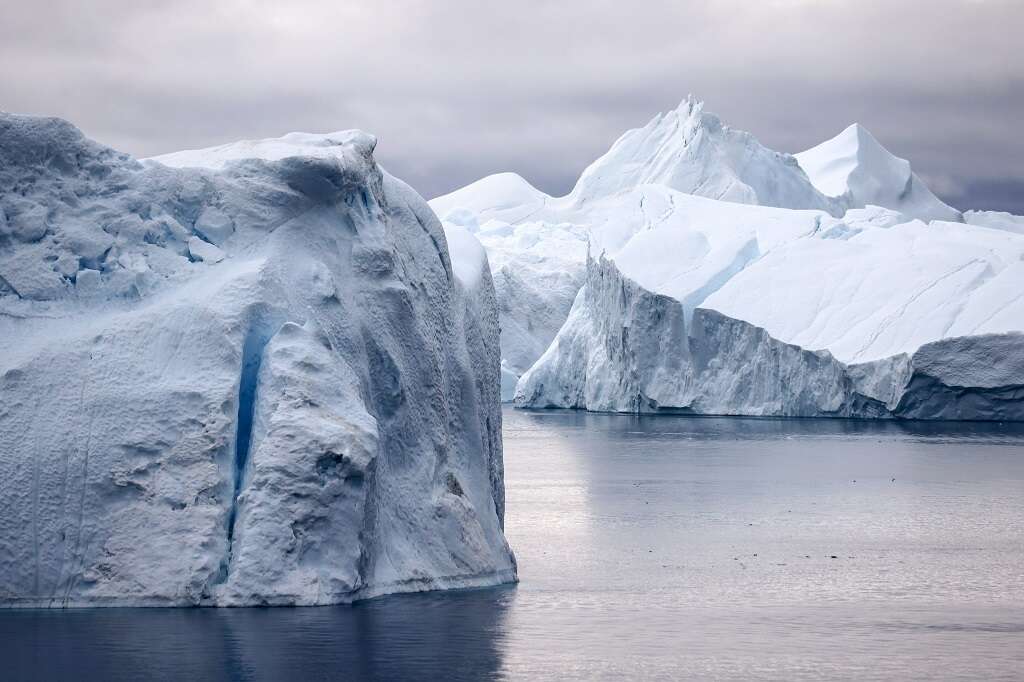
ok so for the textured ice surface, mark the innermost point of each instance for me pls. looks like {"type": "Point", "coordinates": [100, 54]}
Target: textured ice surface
{"type": "Point", "coordinates": [255, 379]}
{"type": "Point", "coordinates": [537, 266]}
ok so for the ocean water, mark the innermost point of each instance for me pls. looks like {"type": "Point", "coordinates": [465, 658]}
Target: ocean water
{"type": "Point", "coordinates": [654, 548]}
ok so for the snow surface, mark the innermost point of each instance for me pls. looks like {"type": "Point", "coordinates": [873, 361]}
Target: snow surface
{"type": "Point", "coordinates": [882, 292]}
{"type": "Point", "coordinates": [469, 259]}
{"type": "Point", "coordinates": [856, 169]}
{"type": "Point", "coordinates": [341, 144]}
{"type": "Point", "coordinates": [689, 211]}
{"type": "Point", "coordinates": [255, 382]}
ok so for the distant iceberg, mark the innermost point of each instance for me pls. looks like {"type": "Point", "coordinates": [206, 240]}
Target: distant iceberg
{"type": "Point", "coordinates": [716, 276]}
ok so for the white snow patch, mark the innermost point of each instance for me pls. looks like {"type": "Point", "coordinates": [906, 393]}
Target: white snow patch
{"type": "Point", "coordinates": [341, 144]}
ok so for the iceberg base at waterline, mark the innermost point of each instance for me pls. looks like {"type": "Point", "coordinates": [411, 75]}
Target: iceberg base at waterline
{"type": "Point", "coordinates": [627, 349]}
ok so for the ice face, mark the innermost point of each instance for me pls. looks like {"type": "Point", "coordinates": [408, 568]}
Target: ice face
{"type": "Point", "coordinates": [627, 349]}
{"type": "Point", "coordinates": [254, 379]}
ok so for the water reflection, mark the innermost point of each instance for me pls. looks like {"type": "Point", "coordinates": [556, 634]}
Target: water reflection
{"type": "Point", "coordinates": [424, 636]}
{"type": "Point", "coordinates": [656, 548]}
{"type": "Point", "coordinates": [629, 426]}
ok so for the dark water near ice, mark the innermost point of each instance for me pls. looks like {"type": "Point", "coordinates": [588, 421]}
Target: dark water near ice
{"type": "Point", "coordinates": [654, 548]}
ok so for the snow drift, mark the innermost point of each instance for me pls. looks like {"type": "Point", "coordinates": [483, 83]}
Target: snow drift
{"type": "Point", "coordinates": [246, 375]}
{"type": "Point", "coordinates": [716, 276]}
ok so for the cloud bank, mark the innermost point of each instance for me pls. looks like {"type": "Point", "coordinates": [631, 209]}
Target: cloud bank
{"type": "Point", "coordinates": [456, 90]}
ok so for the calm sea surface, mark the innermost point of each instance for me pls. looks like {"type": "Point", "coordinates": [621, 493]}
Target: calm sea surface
{"type": "Point", "coordinates": [656, 548]}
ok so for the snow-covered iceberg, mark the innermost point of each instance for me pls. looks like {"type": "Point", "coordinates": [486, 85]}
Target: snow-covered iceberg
{"type": "Point", "coordinates": [538, 244]}
{"type": "Point", "coordinates": [720, 277]}
{"type": "Point", "coordinates": [694, 152]}
{"type": "Point", "coordinates": [246, 375]}
{"type": "Point", "coordinates": [806, 316]}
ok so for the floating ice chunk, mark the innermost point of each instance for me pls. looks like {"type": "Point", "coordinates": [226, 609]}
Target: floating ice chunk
{"type": "Point", "coordinates": [692, 210]}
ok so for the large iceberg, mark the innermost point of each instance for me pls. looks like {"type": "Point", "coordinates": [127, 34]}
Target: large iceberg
{"type": "Point", "coordinates": [245, 375]}
{"type": "Point", "coordinates": [803, 315]}
{"type": "Point", "coordinates": [719, 277]}
{"type": "Point", "coordinates": [538, 244]}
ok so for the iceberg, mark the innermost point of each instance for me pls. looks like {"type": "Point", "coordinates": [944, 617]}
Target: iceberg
{"type": "Point", "coordinates": [538, 244]}
{"type": "Point", "coordinates": [909, 321]}
{"type": "Point", "coordinates": [716, 276]}
{"type": "Point", "coordinates": [254, 374]}
{"type": "Point", "coordinates": [854, 168]}
{"type": "Point", "coordinates": [694, 152]}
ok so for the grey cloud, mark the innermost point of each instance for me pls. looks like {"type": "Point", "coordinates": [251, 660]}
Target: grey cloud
{"type": "Point", "coordinates": [455, 90]}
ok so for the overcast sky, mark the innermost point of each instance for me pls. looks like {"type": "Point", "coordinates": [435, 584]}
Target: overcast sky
{"type": "Point", "coordinates": [459, 89]}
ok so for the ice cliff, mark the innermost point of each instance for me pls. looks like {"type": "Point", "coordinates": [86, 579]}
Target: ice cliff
{"type": "Point", "coordinates": [247, 375]}
{"type": "Point", "coordinates": [718, 277]}
{"type": "Point", "coordinates": [628, 348]}
{"type": "Point", "coordinates": [537, 244]}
